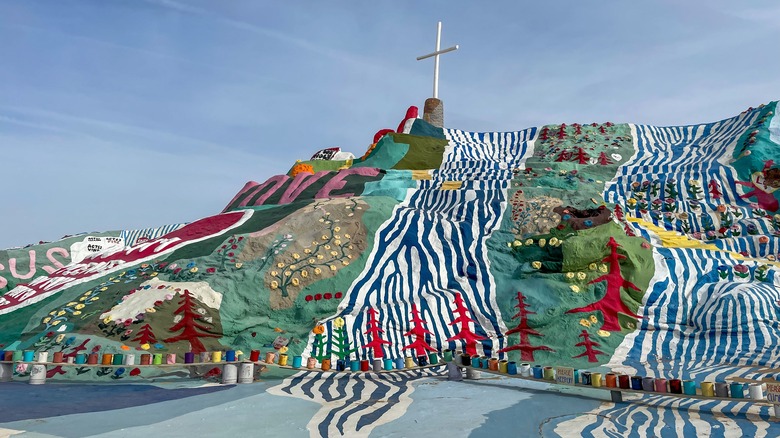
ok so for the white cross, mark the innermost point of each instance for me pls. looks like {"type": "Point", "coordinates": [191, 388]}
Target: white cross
{"type": "Point", "coordinates": [436, 60]}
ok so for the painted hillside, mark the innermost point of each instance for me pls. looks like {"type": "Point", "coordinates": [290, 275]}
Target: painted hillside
{"type": "Point", "coordinates": [649, 250]}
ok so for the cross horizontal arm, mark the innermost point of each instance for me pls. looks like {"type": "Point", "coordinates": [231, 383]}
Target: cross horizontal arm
{"type": "Point", "coordinates": [438, 52]}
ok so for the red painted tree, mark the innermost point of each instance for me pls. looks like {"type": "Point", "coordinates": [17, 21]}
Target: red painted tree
{"type": "Point", "coordinates": [418, 331]}
{"type": "Point", "coordinates": [589, 350]}
{"type": "Point", "coordinates": [618, 213]}
{"type": "Point", "coordinates": [577, 128]}
{"type": "Point", "coordinates": [545, 135]}
{"type": "Point", "coordinates": [145, 335]}
{"type": "Point", "coordinates": [714, 189]}
{"type": "Point", "coordinates": [563, 156]}
{"type": "Point", "coordinates": [602, 130]}
{"type": "Point", "coordinates": [375, 332]}
{"type": "Point", "coordinates": [190, 329]}
{"type": "Point", "coordinates": [464, 330]}
{"type": "Point", "coordinates": [611, 303]}
{"type": "Point", "coordinates": [562, 132]}
{"type": "Point", "coordinates": [581, 156]}
{"type": "Point", "coordinates": [603, 160]}
{"type": "Point", "coordinates": [525, 347]}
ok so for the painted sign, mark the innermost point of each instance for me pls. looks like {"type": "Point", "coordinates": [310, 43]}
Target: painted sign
{"type": "Point", "coordinates": [564, 375]}
{"type": "Point", "coordinates": [773, 392]}
{"type": "Point", "coordinates": [92, 245]}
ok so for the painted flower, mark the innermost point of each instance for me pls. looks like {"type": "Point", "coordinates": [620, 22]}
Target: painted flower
{"type": "Point", "coordinates": [274, 273]}
{"type": "Point", "coordinates": [326, 246]}
{"type": "Point", "coordinates": [631, 202]}
{"type": "Point", "coordinates": [542, 242]}
{"type": "Point", "coordinates": [211, 270]}
{"type": "Point", "coordinates": [581, 276]}
{"type": "Point", "coordinates": [59, 338]}
{"type": "Point", "coordinates": [320, 256]}
{"type": "Point", "coordinates": [517, 243]}
{"type": "Point", "coordinates": [292, 267]}
{"type": "Point", "coordinates": [694, 182]}
{"type": "Point", "coordinates": [536, 264]}
{"type": "Point", "coordinates": [337, 229]}
{"type": "Point", "coordinates": [334, 253]}
{"type": "Point", "coordinates": [592, 266]}
{"type": "Point", "coordinates": [317, 271]}
{"type": "Point", "coordinates": [763, 240]}
{"type": "Point", "coordinates": [554, 241]}
{"type": "Point", "coordinates": [280, 265]}
{"type": "Point", "coordinates": [338, 322]}
{"type": "Point", "coordinates": [603, 268]}
{"type": "Point", "coordinates": [318, 329]}
{"type": "Point", "coordinates": [296, 256]}
{"type": "Point", "coordinates": [570, 275]}
{"type": "Point", "coordinates": [307, 251]}
{"type": "Point", "coordinates": [332, 267]}
{"type": "Point", "coordinates": [295, 281]}
{"type": "Point", "coordinates": [574, 288]}
{"type": "Point", "coordinates": [287, 273]}
{"type": "Point", "coordinates": [274, 284]}
{"type": "Point", "coordinates": [722, 208]}
{"type": "Point", "coordinates": [324, 237]}
{"type": "Point", "coordinates": [77, 313]}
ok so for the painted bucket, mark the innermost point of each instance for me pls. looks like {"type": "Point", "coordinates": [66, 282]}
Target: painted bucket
{"type": "Point", "coordinates": [205, 356]}
{"type": "Point", "coordinates": [493, 364]}
{"type": "Point", "coordinates": [246, 372]}
{"type": "Point", "coordinates": [108, 359]}
{"type": "Point", "coordinates": [297, 361]}
{"type": "Point", "coordinates": [503, 366]}
{"type": "Point", "coordinates": [484, 362]}
{"type": "Point", "coordinates": [611, 380]}
{"type": "Point", "coordinates": [216, 356]}
{"type": "Point", "coordinates": [6, 372]}
{"type": "Point", "coordinates": [254, 355]}
{"type": "Point", "coordinates": [548, 373]}
{"type": "Point", "coordinates": [721, 389]}
{"type": "Point", "coordinates": [325, 365]}
{"type": "Point", "coordinates": [9, 356]}
{"type": "Point", "coordinates": [170, 358]}
{"type": "Point", "coordinates": [675, 386]}
{"type": "Point", "coordinates": [283, 360]}
{"type": "Point", "coordinates": [707, 389]}
{"type": "Point", "coordinates": [756, 391]}
{"type": "Point", "coordinates": [38, 374]}
{"type": "Point", "coordinates": [585, 378]}
{"type": "Point", "coordinates": [448, 355]}
{"type": "Point", "coordinates": [648, 384]}
{"type": "Point", "coordinates": [118, 359]}
{"type": "Point", "coordinates": [689, 387]}
{"type": "Point", "coordinates": [409, 362]}
{"type": "Point", "coordinates": [636, 383]}
{"type": "Point", "coordinates": [58, 357]}
{"type": "Point", "coordinates": [189, 357]}
{"type": "Point", "coordinates": [538, 372]}
{"type": "Point", "coordinates": [28, 356]}
{"type": "Point", "coordinates": [71, 359]}
{"type": "Point", "coordinates": [465, 359]}
{"type": "Point", "coordinates": [737, 390]}
{"type": "Point", "coordinates": [624, 381]}
{"type": "Point", "coordinates": [229, 374]}
{"type": "Point", "coordinates": [377, 366]}
{"type": "Point", "coordinates": [341, 364]}
{"type": "Point", "coordinates": [43, 356]}
{"type": "Point", "coordinates": [354, 365]}
{"type": "Point", "coordinates": [525, 369]}
{"type": "Point", "coordinates": [269, 357]}
{"type": "Point", "coordinates": [311, 363]}
{"type": "Point", "coordinates": [146, 359]}
{"type": "Point", "coordinates": [422, 360]}
{"type": "Point", "coordinates": [595, 380]}
{"type": "Point", "coordinates": [17, 356]}
{"type": "Point", "coordinates": [129, 359]}
{"type": "Point", "coordinates": [511, 368]}
{"type": "Point", "coordinates": [433, 358]}
{"type": "Point", "coordinates": [230, 356]}
{"type": "Point", "coordinates": [2, 355]}
{"type": "Point", "coordinates": [364, 365]}
{"type": "Point", "coordinates": [400, 364]}
{"type": "Point", "coordinates": [388, 365]}
{"type": "Point", "coordinates": [475, 362]}
{"type": "Point", "coordinates": [157, 359]}
{"type": "Point", "coordinates": [660, 385]}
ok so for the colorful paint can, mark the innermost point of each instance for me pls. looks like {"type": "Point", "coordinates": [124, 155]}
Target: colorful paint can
{"type": "Point", "coordinates": [311, 363]}
{"type": "Point", "coordinates": [511, 368]}
{"type": "Point", "coordinates": [548, 373]}
{"type": "Point", "coordinates": [205, 356]}
{"type": "Point", "coordinates": [484, 362]}
{"type": "Point", "coordinates": [341, 365]}
{"type": "Point", "coordinates": [216, 356]}
{"type": "Point", "coordinates": [756, 391]}
{"type": "Point", "coordinates": [230, 356]}
{"type": "Point", "coordinates": [576, 376]}
{"type": "Point", "coordinates": [129, 359]}
{"type": "Point", "coordinates": [660, 385]}
{"type": "Point", "coordinates": [108, 359]}
{"type": "Point", "coordinates": [707, 389]}
{"type": "Point", "coordinates": [71, 359]}
{"type": "Point", "coordinates": [721, 389]}
{"type": "Point", "coordinates": [465, 359]}
{"type": "Point", "coordinates": [269, 357]}
{"type": "Point", "coordinates": [17, 356]}
{"type": "Point", "coordinates": [9, 356]}
{"type": "Point", "coordinates": [409, 362]}
{"type": "Point", "coordinates": [246, 372]}
{"type": "Point", "coordinates": [57, 357]}
{"type": "Point", "coordinates": [525, 369]}
{"type": "Point", "coordinates": [595, 380]}
{"type": "Point", "coordinates": [28, 356]}
{"type": "Point", "coordinates": [400, 363]}
{"type": "Point", "coordinates": [170, 358]}
{"type": "Point", "coordinates": [448, 355]}
{"type": "Point", "coordinates": [297, 361]}
{"type": "Point", "coordinates": [229, 374]}
{"type": "Point", "coordinates": [422, 360]}
{"type": "Point", "coordinates": [737, 390]}
{"type": "Point", "coordinates": [6, 372]}
{"type": "Point", "coordinates": [37, 374]}
{"type": "Point", "coordinates": [493, 364]}
{"type": "Point", "coordinates": [254, 355]}
{"type": "Point", "coordinates": [585, 377]}
{"type": "Point", "coordinates": [2, 355]}
{"type": "Point", "coordinates": [43, 356]}
{"type": "Point", "coordinates": [689, 387]}
{"type": "Point", "coordinates": [538, 372]}
{"type": "Point", "coordinates": [675, 386]}
{"type": "Point", "coordinates": [611, 380]}
{"type": "Point", "coordinates": [636, 383]}
{"type": "Point", "coordinates": [365, 366]}
{"type": "Point", "coordinates": [157, 359]}
{"type": "Point", "coordinates": [475, 362]}
{"type": "Point", "coordinates": [354, 365]}
{"type": "Point", "coordinates": [377, 367]}
{"type": "Point", "coordinates": [624, 381]}
{"type": "Point", "coordinates": [648, 384]}
{"type": "Point", "coordinates": [118, 359]}
{"type": "Point", "coordinates": [283, 360]}
{"type": "Point", "coordinates": [388, 364]}
{"type": "Point", "coordinates": [503, 366]}
{"type": "Point", "coordinates": [189, 357]}
{"type": "Point", "coordinates": [433, 358]}
{"type": "Point", "coordinates": [146, 359]}
{"type": "Point", "coordinates": [325, 365]}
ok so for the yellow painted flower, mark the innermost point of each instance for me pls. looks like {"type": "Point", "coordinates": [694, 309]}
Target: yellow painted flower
{"type": "Point", "coordinates": [72, 303]}
{"type": "Point", "coordinates": [304, 274]}
{"type": "Point", "coordinates": [529, 241]}
{"type": "Point", "coordinates": [287, 273]}
{"type": "Point", "coordinates": [334, 253]}
{"type": "Point", "coordinates": [603, 268]}
{"type": "Point", "coordinates": [516, 243]}
{"type": "Point", "coordinates": [570, 275]}
{"type": "Point", "coordinates": [554, 241]}
{"type": "Point", "coordinates": [94, 298]}
{"type": "Point", "coordinates": [79, 306]}
{"type": "Point", "coordinates": [153, 274]}
{"type": "Point", "coordinates": [326, 246]}
{"type": "Point", "coordinates": [603, 333]}
{"type": "Point", "coordinates": [337, 242]}
{"type": "Point", "coordinates": [292, 267]}
{"type": "Point", "coordinates": [347, 236]}
{"type": "Point", "coordinates": [542, 242]}
{"type": "Point", "coordinates": [295, 281]}
{"type": "Point", "coordinates": [584, 322]}
{"type": "Point", "coordinates": [194, 269]}
{"type": "Point", "coordinates": [320, 257]}
{"type": "Point", "coordinates": [145, 346]}
{"type": "Point", "coordinates": [239, 265]}
{"type": "Point", "coordinates": [574, 288]}
{"type": "Point", "coordinates": [350, 247]}
{"type": "Point", "coordinates": [52, 312]}
{"type": "Point", "coordinates": [280, 265]}
{"type": "Point", "coordinates": [102, 289]}
{"type": "Point", "coordinates": [59, 338]}
{"type": "Point", "coordinates": [47, 319]}
{"type": "Point", "coordinates": [536, 264]}
{"type": "Point", "coordinates": [274, 284]}
{"type": "Point", "coordinates": [317, 271]}
{"type": "Point", "coordinates": [283, 350]}
{"type": "Point", "coordinates": [349, 256]}
{"type": "Point", "coordinates": [150, 310]}
{"type": "Point", "coordinates": [337, 229]}
{"type": "Point", "coordinates": [296, 256]}
{"type": "Point", "coordinates": [338, 322]}
{"type": "Point", "coordinates": [83, 298]}
{"type": "Point", "coordinates": [274, 273]}
{"type": "Point", "coordinates": [344, 262]}
{"type": "Point", "coordinates": [60, 313]}
{"type": "Point", "coordinates": [57, 322]}
{"type": "Point", "coordinates": [324, 237]}
{"type": "Point", "coordinates": [581, 276]}
{"type": "Point", "coordinates": [593, 319]}
{"type": "Point", "coordinates": [332, 267]}
{"type": "Point", "coordinates": [77, 313]}
{"type": "Point", "coordinates": [311, 261]}
{"type": "Point", "coordinates": [631, 202]}
{"type": "Point", "coordinates": [592, 266]}
{"type": "Point", "coordinates": [307, 250]}
{"type": "Point", "coordinates": [107, 320]}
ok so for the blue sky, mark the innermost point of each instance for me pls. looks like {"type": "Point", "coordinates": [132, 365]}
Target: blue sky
{"type": "Point", "coordinates": [121, 114]}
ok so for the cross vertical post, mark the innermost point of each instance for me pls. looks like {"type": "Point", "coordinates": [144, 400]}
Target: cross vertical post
{"type": "Point", "coordinates": [435, 56]}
